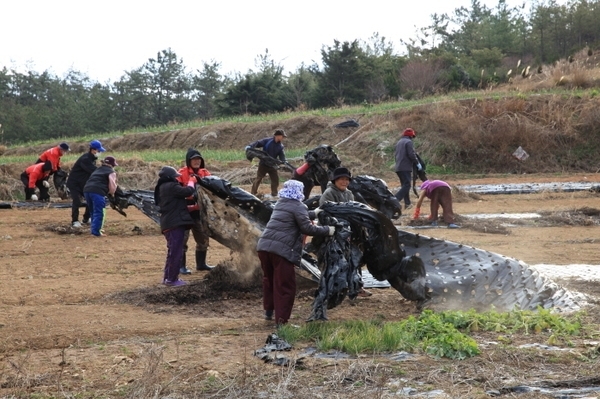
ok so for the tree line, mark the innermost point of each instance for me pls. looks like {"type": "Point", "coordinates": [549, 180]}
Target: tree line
{"type": "Point", "coordinates": [456, 51]}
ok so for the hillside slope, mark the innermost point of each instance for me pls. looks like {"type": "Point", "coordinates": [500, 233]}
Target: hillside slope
{"type": "Point", "coordinates": [561, 133]}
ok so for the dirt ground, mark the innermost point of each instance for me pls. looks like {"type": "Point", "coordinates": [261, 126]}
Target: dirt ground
{"type": "Point", "coordinates": [87, 317]}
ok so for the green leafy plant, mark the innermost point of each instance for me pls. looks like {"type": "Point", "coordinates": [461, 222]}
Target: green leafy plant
{"type": "Point", "coordinates": [443, 334]}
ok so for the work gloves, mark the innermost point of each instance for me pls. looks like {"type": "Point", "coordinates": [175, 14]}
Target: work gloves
{"type": "Point", "coordinates": [419, 167]}
{"type": "Point", "coordinates": [45, 183]}
{"type": "Point", "coordinates": [416, 213]}
{"type": "Point", "coordinates": [331, 230]}
{"type": "Point", "coordinates": [247, 148]}
{"type": "Point", "coordinates": [34, 197]}
{"type": "Point", "coordinates": [317, 211]}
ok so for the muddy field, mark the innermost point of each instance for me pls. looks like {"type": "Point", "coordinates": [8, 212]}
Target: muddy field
{"type": "Point", "coordinates": [86, 317]}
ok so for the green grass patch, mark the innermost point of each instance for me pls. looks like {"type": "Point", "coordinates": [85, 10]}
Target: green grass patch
{"type": "Point", "coordinates": [443, 334]}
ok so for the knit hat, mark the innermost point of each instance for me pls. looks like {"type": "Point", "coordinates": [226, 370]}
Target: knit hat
{"type": "Point", "coordinates": [292, 189]}
{"type": "Point", "coordinates": [408, 132]}
{"type": "Point", "coordinates": [64, 147]}
{"type": "Point", "coordinates": [341, 172]}
{"type": "Point", "coordinates": [280, 132]}
{"type": "Point", "coordinates": [110, 161]}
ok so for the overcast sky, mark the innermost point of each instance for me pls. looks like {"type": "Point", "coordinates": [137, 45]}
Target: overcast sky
{"type": "Point", "coordinates": [106, 38]}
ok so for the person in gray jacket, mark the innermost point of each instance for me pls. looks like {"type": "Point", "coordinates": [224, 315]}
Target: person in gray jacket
{"type": "Point", "coordinates": [175, 218]}
{"type": "Point", "coordinates": [280, 248]}
{"type": "Point", "coordinates": [337, 188]}
{"type": "Point", "coordinates": [405, 159]}
{"type": "Point", "coordinates": [337, 191]}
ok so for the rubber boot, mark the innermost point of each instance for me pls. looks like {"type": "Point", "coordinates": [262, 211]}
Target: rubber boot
{"type": "Point", "coordinates": [201, 262]}
{"type": "Point", "coordinates": [183, 269]}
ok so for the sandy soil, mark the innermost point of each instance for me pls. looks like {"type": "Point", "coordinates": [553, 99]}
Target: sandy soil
{"type": "Point", "coordinates": [75, 318]}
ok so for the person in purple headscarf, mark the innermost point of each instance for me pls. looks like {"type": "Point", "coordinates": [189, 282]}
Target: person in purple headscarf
{"type": "Point", "coordinates": [440, 194]}
{"type": "Point", "coordinates": [280, 249]}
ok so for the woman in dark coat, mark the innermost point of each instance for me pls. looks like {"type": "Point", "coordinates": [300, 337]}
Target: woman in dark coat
{"type": "Point", "coordinates": [280, 248]}
{"type": "Point", "coordinates": [175, 218]}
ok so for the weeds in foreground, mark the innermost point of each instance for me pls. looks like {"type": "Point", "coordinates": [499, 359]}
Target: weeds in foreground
{"type": "Point", "coordinates": [443, 334]}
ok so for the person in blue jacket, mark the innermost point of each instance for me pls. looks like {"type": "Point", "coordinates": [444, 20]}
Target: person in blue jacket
{"type": "Point", "coordinates": [274, 147]}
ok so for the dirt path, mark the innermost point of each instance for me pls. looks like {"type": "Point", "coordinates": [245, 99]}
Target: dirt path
{"type": "Point", "coordinates": [64, 326]}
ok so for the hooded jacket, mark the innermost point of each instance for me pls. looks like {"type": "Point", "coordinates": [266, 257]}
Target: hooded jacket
{"type": "Point", "coordinates": [170, 196]}
{"type": "Point", "coordinates": [186, 174]}
{"type": "Point", "coordinates": [187, 171]}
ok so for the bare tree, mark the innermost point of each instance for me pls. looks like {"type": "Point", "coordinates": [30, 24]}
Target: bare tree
{"type": "Point", "coordinates": [421, 76]}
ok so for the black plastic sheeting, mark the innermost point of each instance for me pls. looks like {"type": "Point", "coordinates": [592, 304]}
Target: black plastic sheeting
{"type": "Point", "coordinates": [374, 192]}
{"type": "Point", "coordinates": [268, 160]}
{"type": "Point", "coordinates": [363, 236]}
{"type": "Point", "coordinates": [340, 278]}
{"type": "Point", "coordinates": [275, 344]}
{"type": "Point", "coordinates": [432, 272]}
{"type": "Point", "coordinates": [463, 277]}
{"type": "Point", "coordinates": [347, 123]}
{"type": "Point", "coordinates": [322, 161]}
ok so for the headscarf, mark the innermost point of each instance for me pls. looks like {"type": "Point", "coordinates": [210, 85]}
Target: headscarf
{"type": "Point", "coordinates": [292, 189]}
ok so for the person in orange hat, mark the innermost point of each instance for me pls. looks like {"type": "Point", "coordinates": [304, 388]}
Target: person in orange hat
{"type": "Point", "coordinates": [406, 158]}
{"type": "Point", "coordinates": [102, 182]}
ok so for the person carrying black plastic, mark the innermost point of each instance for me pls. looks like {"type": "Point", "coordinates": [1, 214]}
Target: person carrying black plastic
{"type": "Point", "coordinates": [170, 196]}
{"type": "Point", "coordinates": [194, 169]}
{"type": "Point", "coordinates": [274, 147]}
{"type": "Point", "coordinates": [79, 175]}
{"type": "Point", "coordinates": [280, 249]}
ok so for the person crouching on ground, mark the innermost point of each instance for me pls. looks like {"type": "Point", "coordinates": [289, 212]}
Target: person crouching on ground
{"type": "Point", "coordinates": [194, 166]}
{"type": "Point", "coordinates": [337, 191]}
{"type": "Point", "coordinates": [280, 248]}
{"type": "Point", "coordinates": [170, 196]}
{"type": "Point", "coordinates": [440, 194]}
{"type": "Point", "coordinates": [102, 182]}
{"type": "Point", "coordinates": [37, 176]}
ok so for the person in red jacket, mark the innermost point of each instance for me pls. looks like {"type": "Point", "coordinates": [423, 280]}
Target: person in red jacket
{"type": "Point", "coordinates": [194, 166]}
{"type": "Point", "coordinates": [53, 155]}
{"type": "Point", "coordinates": [36, 176]}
